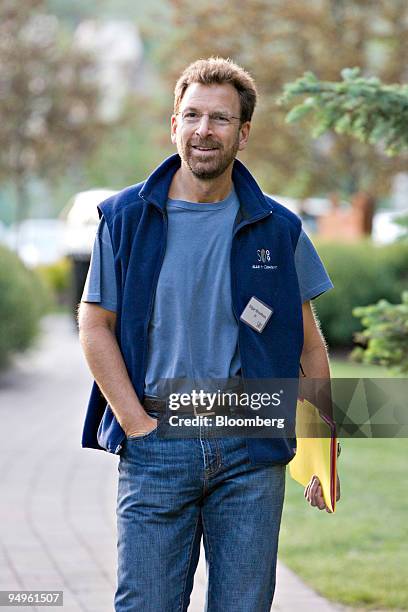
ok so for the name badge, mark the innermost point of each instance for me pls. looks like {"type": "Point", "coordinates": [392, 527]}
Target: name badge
{"type": "Point", "coordinates": [256, 314]}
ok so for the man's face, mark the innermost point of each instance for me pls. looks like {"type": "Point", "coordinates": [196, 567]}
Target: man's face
{"type": "Point", "coordinates": [206, 147]}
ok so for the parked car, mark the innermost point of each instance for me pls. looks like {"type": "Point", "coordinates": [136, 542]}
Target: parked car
{"type": "Point", "coordinates": [37, 241]}
{"type": "Point", "coordinates": [81, 222]}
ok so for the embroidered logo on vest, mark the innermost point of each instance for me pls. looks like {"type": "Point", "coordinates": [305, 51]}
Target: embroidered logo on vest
{"type": "Point", "coordinates": [263, 258]}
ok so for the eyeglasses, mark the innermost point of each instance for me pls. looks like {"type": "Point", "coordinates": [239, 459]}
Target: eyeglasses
{"type": "Point", "coordinates": [218, 119]}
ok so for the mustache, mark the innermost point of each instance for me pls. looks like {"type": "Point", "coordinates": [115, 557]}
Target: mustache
{"type": "Point", "coordinates": [206, 144]}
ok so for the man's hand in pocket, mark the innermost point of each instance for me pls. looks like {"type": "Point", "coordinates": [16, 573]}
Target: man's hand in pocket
{"type": "Point", "coordinates": [141, 427]}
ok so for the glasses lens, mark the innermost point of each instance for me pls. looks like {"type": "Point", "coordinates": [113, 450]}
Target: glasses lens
{"type": "Point", "coordinates": [193, 118]}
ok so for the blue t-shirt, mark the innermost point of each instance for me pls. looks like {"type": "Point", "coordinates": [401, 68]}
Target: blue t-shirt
{"type": "Point", "coordinates": [193, 333]}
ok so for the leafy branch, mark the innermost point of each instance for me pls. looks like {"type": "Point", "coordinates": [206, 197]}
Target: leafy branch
{"type": "Point", "coordinates": [361, 107]}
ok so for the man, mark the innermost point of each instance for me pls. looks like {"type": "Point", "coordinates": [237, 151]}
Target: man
{"type": "Point", "coordinates": [176, 261]}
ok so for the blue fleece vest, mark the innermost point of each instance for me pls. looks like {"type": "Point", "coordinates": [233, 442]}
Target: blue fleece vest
{"type": "Point", "coordinates": [137, 223]}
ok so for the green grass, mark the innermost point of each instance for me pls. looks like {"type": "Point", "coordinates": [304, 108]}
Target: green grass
{"type": "Point", "coordinates": [344, 368]}
{"type": "Point", "coordinates": [359, 555]}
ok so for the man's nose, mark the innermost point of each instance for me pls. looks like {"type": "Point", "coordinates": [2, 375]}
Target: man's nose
{"type": "Point", "coordinates": [204, 126]}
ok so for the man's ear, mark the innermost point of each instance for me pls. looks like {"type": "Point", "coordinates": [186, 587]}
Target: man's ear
{"type": "Point", "coordinates": [244, 135]}
{"type": "Point", "coordinates": [173, 128]}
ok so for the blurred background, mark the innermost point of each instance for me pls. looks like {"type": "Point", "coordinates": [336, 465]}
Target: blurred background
{"type": "Point", "coordinates": [85, 105]}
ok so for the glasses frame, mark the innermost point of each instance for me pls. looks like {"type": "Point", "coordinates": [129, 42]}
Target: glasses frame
{"type": "Point", "coordinates": [211, 120]}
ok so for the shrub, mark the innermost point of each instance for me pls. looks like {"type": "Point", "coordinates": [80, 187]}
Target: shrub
{"type": "Point", "coordinates": [23, 300]}
{"type": "Point", "coordinates": [385, 337]}
{"type": "Point", "coordinates": [58, 278]}
{"type": "Point", "coordinates": [362, 274]}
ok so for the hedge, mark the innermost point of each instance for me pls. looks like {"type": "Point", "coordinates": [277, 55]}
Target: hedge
{"type": "Point", "coordinates": [362, 274]}
{"type": "Point", "coordinates": [24, 298]}
{"type": "Point", "coordinates": [58, 277]}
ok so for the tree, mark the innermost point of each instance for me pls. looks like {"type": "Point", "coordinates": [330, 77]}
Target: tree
{"type": "Point", "coordinates": [133, 147]}
{"type": "Point", "coordinates": [364, 108]}
{"type": "Point", "coordinates": [48, 98]}
{"type": "Point", "coordinates": [277, 42]}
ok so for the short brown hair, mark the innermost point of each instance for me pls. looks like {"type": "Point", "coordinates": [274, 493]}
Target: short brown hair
{"type": "Point", "coordinates": [219, 70]}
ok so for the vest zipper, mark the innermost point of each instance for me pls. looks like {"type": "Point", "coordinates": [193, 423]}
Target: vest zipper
{"type": "Point", "coordinates": [253, 220]}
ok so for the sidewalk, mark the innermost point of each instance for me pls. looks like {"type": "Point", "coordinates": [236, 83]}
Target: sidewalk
{"type": "Point", "coordinates": [57, 510]}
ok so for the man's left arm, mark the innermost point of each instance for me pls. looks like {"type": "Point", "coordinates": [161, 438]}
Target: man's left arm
{"type": "Point", "coordinates": [315, 365]}
{"type": "Point", "coordinates": [314, 359]}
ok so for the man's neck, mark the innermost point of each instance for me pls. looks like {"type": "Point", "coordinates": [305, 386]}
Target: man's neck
{"type": "Point", "coordinates": [185, 186]}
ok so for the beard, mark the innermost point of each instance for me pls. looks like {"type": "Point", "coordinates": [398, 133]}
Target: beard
{"type": "Point", "coordinates": [207, 166]}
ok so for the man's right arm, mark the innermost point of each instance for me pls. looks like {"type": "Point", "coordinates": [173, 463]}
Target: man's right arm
{"type": "Point", "coordinates": [104, 358]}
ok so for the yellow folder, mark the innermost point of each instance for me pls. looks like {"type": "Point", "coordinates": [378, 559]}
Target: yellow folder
{"type": "Point", "coordinates": [316, 451]}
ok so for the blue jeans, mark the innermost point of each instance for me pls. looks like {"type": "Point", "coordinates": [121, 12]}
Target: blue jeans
{"type": "Point", "coordinates": [173, 491]}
